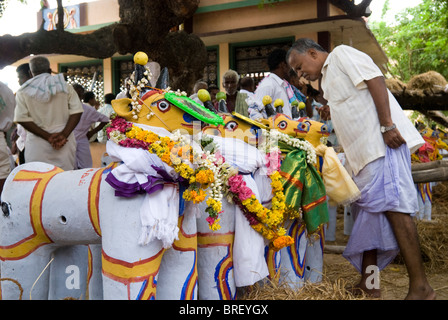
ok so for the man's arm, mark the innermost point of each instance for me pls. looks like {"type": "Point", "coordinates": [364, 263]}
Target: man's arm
{"type": "Point", "coordinates": [96, 129]}
{"type": "Point", "coordinates": [72, 122]}
{"type": "Point", "coordinates": [378, 90]}
{"type": "Point", "coordinates": [35, 129]}
{"type": "Point", "coordinates": [58, 140]}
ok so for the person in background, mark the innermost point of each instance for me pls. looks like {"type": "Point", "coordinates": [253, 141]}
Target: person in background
{"type": "Point", "coordinates": [198, 86]}
{"type": "Point", "coordinates": [18, 146]}
{"type": "Point", "coordinates": [275, 84]}
{"type": "Point", "coordinates": [378, 139]}
{"type": "Point", "coordinates": [236, 101]}
{"type": "Point", "coordinates": [49, 109]}
{"type": "Point", "coordinates": [23, 73]}
{"type": "Point", "coordinates": [247, 86]}
{"type": "Point", "coordinates": [7, 105]}
{"type": "Point", "coordinates": [125, 93]}
{"type": "Point", "coordinates": [300, 90]}
{"type": "Point", "coordinates": [89, 97]}
{"type": "Point", "coordinates": [83, 131]}
{"type": "Point", "coordinates": [107, 110]}
{"type": "Point", "coordinates": [213, 90]}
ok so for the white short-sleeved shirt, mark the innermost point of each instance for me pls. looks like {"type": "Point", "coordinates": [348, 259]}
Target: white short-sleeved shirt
{"type": "Point", "coordinates": [353, 112]}
{"type": "Point", "coordinates": [51, 116]}
{"type": "Point", "coordinates": [273, 86]}
{"type": "Point", "coordinates": [7, 105]}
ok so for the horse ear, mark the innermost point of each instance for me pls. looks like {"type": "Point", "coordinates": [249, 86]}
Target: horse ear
{"type": "Point", "coordinates": [122, 109]}
{"type": "Point", "coordinates": [164, 79]}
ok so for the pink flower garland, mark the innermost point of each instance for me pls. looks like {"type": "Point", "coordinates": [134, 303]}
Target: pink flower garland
{"type": "Point", "coordinates": [273, 161]}
{"type": "Point", "coordinates": [238, 187]}
{"type": "Point", "coordinates": [121, 125]}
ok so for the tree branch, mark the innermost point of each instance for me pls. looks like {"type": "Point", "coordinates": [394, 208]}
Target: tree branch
{"type": "Point", "coordinates": [15, 48]}
{"type": "Point", "coordinates": [352, 9]}
{"type": "Point", "coordinates": [60, 24]}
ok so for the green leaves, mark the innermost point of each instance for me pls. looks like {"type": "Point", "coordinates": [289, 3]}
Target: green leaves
{"type": "Point", "coordinates": [417, 41]}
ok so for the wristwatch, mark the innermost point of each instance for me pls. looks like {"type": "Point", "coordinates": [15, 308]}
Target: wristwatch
{"type": "Point", "coordinates": [384, 129]}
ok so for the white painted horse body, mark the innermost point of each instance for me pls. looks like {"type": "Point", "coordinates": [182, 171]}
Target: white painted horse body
{"type": "Point", "coordinates": [303, 261]}
{"type": "Point", "coordinates": [50, 208]}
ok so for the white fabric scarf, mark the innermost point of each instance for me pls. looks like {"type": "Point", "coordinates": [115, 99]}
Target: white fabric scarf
{"type": "Point", "coordinates": [159, 211]}
{"type": "Point", "coordinates": [43, 86]}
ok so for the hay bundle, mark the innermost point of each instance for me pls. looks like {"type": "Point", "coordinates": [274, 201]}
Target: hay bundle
{"type": "Point", "coordinates": [325, 290]}
{"type": "Point", "coordinates": [433, 235]}
{"type": "Point", "coordinates": [433, 238]}
{"type": "Point", "coordinates": [434, 243]}
{"type": "Point", "coordinates": [395, 86]}
{"type": "Point", "coordinates": [427, 83]}
{"type": "Point", "coordinates": [427, 80]}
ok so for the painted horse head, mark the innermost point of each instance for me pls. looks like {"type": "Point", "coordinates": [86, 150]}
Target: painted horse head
{"type": "Point", "coordinates": [317, 131]}
{"type": "Point", "coordinates": [159, 107]}
{"type": "Point", "coordinates": [236, 126]}
{"type": "Point", "coordinates": [286, 125]}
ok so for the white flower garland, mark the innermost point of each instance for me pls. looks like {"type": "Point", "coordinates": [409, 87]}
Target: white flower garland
{"type": "Point", "coordinates": [134, 91]}
{"type": "Point", "coordinates": [270, 143]}
{"type": "Point", "coordinates": [202, 158]}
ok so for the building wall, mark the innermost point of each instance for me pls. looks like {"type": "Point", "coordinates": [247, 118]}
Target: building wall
{"type": "Point", "coordinates": [101, 12]}
{"type": "Point", "coordinates": [245, 17]}
{"type": "Point", "coordinates": [234, 21]}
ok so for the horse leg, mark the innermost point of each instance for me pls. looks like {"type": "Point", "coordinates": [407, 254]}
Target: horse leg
{"type": "Point", "coordinates": [178, 277]}
{"type": "Point", "coordinates": [69, 273]}
{"type": "Point", "coordinates": [215, 255]}
{"type": "Point", "coordinates": [94, 279]}
{"type": "Point", "coordinates": [130, 270]}
{"type": "Point", "coordinates": [31, 272]}
{"type": "Point", "coordinates": [315, 258]}
{"type": "Point", "coordinates": [292, 265]}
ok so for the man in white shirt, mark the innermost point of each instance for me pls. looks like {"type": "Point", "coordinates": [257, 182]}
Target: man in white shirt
{"type": "Point", "coordinates": [7, 105]}
{"type": "Point", "coordinates": [49, 109]}
{"type": "Point", "coordinates": [275, 85]}
{"type": "Point", "coordinates": [377, 139]}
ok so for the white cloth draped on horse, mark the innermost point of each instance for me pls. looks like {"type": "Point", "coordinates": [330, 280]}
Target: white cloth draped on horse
{"type": "Point", "coordinates": [143, 172]}
{"type": "Point", "coordinates": [248, 255]}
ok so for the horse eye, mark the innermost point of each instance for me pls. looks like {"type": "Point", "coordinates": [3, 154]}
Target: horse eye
{"type": "Point", "coordinates": [305, 126]}
{"type": "Point", "coordinates": [282, 125]}
{"type": "Point", "coordinates": [231, 126]}
{"type": "Point", "coordinates": [163, 105]}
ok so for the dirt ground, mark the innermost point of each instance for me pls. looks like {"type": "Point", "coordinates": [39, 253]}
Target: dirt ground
{"type": "Point", "coordinates": [339, 274]}
{"type": "Point", "coordinates": [394, 278]}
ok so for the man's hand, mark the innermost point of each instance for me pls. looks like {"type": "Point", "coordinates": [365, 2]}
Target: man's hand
{"type": "Point", "coordinates": [393, 138]}
{"type": "Point", "coordinates": [57, 140]}
{"type": "Point", "coordinates": [324, 112]}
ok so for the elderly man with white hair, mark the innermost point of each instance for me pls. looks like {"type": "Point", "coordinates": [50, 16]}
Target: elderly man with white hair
{"type": "Point", "coordinates": [49, 109]}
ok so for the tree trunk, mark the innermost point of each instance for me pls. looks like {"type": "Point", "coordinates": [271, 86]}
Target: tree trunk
{"type": "Point", "coordinates": [429, 165]}
{"type": "Point", "coordinates": [143, 26]}
{"type": "Point", "coordinates": [431, 175]}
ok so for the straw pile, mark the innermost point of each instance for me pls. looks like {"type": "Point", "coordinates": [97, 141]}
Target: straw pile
{"type": "Point", "coordinates": [433, 235]}
{"type": "Point", "coordinates": [428, 80]}
{"type": "Point", "coordinates": [434, 243]}
{"type": "Point", "coordinates": [396, 86]}
{"type": "Point", "coordinates": [327, 289]}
